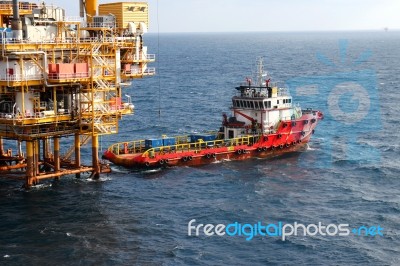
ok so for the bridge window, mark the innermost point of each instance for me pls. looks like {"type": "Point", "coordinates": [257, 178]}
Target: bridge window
{"type": "Point", "coordinates": [267, 104]}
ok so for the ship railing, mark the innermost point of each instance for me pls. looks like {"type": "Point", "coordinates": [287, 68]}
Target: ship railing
{"type": "Point", "coordinates": [245, 140]}
{"type": "Point", "coordinates": [307, 110]}
{"type": "Point", "coordinates": [200, 145]}
{"type": "Point", "coordinates": [283, 91]}
{"type": "Point", "coordinates": [263, 85]}
{"type": "Point", "coordinates": [138, 146]}
{"type": "Point", "coordinates": [183, 144]}
{"type": "Point", "coordinates": [130, 147]}
{"type": "Point", "coordinates": [254, 93]}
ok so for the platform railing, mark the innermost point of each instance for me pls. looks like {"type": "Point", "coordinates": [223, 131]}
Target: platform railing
{"type": "Point", "coordinates": [73, 40]}
{"type": "Point", "coordinates": [21, 77]}
{"type": "Point", "coordinates": [145, 57]}
{"type": "Point", "coordinates": [22, 6]}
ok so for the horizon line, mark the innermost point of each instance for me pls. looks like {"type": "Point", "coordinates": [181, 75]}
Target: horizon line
{"type": "Point", "coordinates": [282, 31]}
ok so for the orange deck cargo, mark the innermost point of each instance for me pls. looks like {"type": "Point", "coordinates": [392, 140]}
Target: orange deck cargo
{"type": "Point", "coordinates": [65, 70]}
{"type": "Point", "coordinates": [81, 70]}
{"type": "Point", "coordinates": [52, 68]}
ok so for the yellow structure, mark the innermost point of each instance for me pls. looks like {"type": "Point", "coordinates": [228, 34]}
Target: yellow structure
{"type": "Point", "coordinates": [6, 11]}
{"type": "Point", "coordinates": [91, 7]}
{"type": "Point", "coordinates": [64, 77]}
{"type": "Point", "coordinates": [126, 13]}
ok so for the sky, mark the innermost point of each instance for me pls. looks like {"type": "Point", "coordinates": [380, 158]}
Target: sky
{"type": "Point", "coordinates": [264, 15]}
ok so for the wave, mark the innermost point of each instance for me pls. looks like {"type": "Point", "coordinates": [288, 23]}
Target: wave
{"type": "Point", "coordinates": [313, 149]}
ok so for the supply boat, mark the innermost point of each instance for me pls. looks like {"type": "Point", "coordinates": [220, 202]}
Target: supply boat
{"type": "Point", "coordinates": [264, 123]}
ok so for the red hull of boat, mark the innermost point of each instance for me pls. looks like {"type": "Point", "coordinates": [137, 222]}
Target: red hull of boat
{"type": "Point", "coordinates": [291, 136]}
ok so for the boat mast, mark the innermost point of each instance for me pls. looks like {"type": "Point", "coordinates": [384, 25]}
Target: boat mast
{"type": "Point", "coordinates": [260, 74]}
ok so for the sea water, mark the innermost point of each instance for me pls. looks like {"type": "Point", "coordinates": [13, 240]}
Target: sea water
{"type": "Point", "coordinates": [348, 176]}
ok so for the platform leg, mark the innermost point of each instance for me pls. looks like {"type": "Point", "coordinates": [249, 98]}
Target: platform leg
{"type": "Point", "coordinates": [95, 156]}
{"type": "Point", "coordinates": [30, 179]}
{"type": "Point", "coordinates": [56, 154]}
{"type": "Point", "coordinates": [77, 154]}
{"type": "Point", "coordinates": [1, 146]}
{"type": "Point", "coordinates": [36, 157]}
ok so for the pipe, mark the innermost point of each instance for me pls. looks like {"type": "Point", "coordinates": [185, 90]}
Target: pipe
{"type": "Point", "coordinates": [81, 9]}
{"type": "Point", "coordinates": [15, 9]}
{"type": "Point", "coordinates": [137, 47]}
{"type": "Point", "coordinates": [3, 41]}
{"type": "Point", "coordinates": [16, 24]}
{"type": "Point", "coordinates": [45, 77]}
{"type": "Point", "coordinates": [64, 172]}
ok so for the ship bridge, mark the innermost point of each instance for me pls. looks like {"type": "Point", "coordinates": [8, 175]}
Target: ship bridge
{"type": "Point", "coordinates": [260, 107]}
{"type": "Point", "coordinates": [270, 96]}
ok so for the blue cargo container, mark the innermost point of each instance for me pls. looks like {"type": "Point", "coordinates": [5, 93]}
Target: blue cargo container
{"type": "Point", "coordinates": [195, 138]}
{"type": "Point", "coordinates": [153, 143]}
{"type": "Point", "coordinates": [7, 33]}
{"type": "Point", "coordinates": [169, 141]}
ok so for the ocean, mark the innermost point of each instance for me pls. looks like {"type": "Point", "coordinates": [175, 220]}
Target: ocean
{"type": "Point", "coordinates": [348, 177]}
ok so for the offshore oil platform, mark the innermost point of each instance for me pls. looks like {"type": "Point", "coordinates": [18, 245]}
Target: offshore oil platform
{"type": "Point", "coordinates": [63, 76]}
